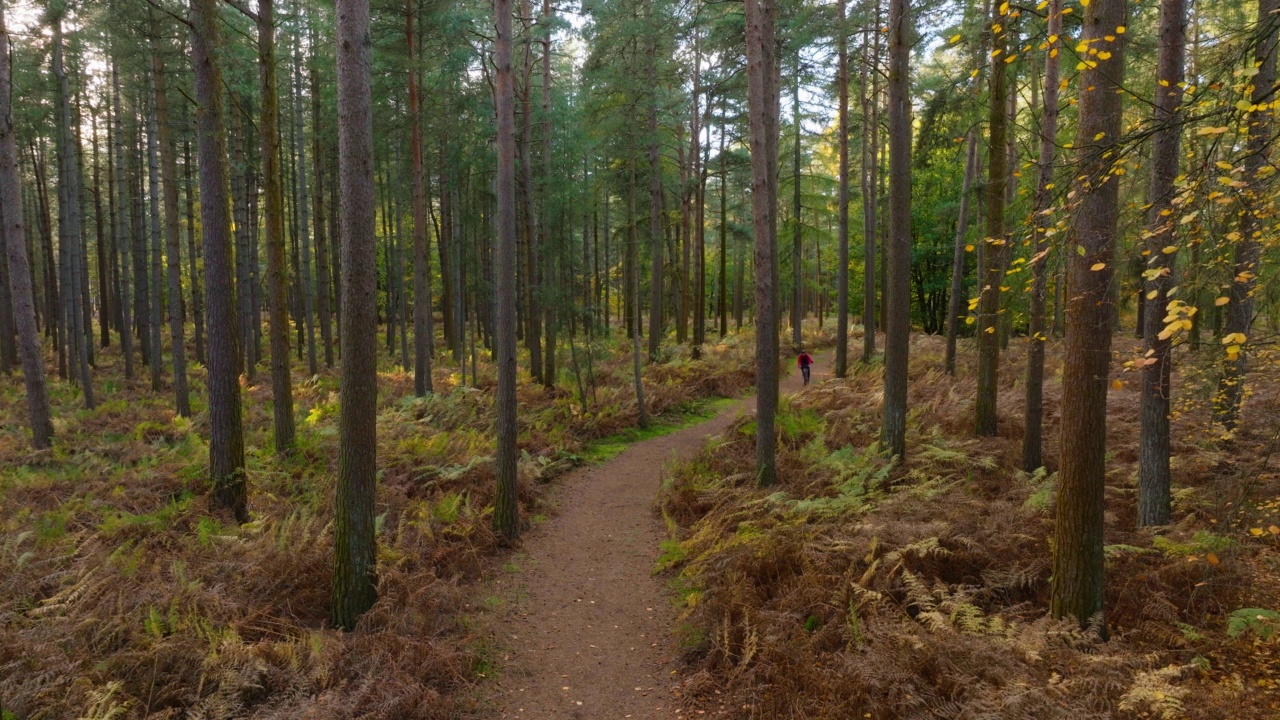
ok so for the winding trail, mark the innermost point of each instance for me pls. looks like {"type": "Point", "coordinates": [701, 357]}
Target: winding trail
{"type": "Point", "coordinates": [581, 628]}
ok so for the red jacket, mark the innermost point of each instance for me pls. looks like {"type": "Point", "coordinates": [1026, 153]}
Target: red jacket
{"type": "Point", "coordinates": [804, 360]}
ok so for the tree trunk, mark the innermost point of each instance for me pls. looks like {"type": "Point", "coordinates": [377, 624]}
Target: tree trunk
{"type": "Point", "coordinates": [100, 233]}
{"type": "Point", "coordinates": [325, 295]}
{"type": "Point", "coordinates": [226, 441]}
{"type": "Point", "coordinates": [421, 255]}
{"type": "Point", "coordinates": [1033, 419]}
{"type": "Point", "coordinates": [506, 510]}
{"type": "Point", "coordinates": [197, 297]}
{"type": "Point", "coordinates": [124, 242]}
{"type": "Point", "coordinates": [797, 239]}
{"type": "Point", "coordinates": [842, 194]}
{"type": "Point", "coordinates": [13, 238]}
{"type": "Point", "coordinates": [169, 169]}
{"type": "Point", "coordinates": [354, 543]}
{"type": "Point", "coordinates": [1256, 196]}
{"type": "Point", "coordinates": [655, 201]}
{"type": "Point", "coordinates": [954, 298]}
{"type": "Point", "coordinates": [897, 339]}
{"type": "Point", "coordinates": [1153, 436]}
{"type": "Point", "coordinates": [153, 203]}
{"type": "Point", "coordinates": [762, 103]}
{"type": "Point", "coordinates": [633, 282]}
{"type": "Point", "coordinates": [1078, 535]}
{"type": "Point", "coordinates": [69, 226]}
{"type": "Point", "coordinates": [992, 271]}
{"type": "Point", "coordinates": [870, 171]}
{"type": "Point", "coordinates": [723, 288]}
{"type": "Point", "coordinates": [308, 289]}
{"type": "Point", "coordinates": [277, 288]}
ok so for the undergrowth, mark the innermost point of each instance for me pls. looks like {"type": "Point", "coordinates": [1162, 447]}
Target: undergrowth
{"type": "Point", "coordinates": [123, 596]}
{"type": "Point", "coordinates": [857, 587]}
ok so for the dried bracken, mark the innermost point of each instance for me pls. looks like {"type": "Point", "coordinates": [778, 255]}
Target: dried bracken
{"type": "Point", "coordinates": [859, 588]}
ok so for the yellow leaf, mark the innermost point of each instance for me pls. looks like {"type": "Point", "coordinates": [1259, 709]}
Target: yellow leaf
{"type": "Point", "coordinates": [1213, 559]}
{"type": "Point", "coordinates": [1234, 339]}
{"type": "Point", "coordinates": [1120, 30]}
{"type": "Point", "coordinates": [1274, 530]}
{"type": "Point", "coordinates": [1256, 532]}
{"type": "Point", "coordinates": [1099, 136]}
{"type": "Point", "coordinates": [1223, 165]}
{"type": "Point", "coordinates": [1212, 130]}
{"type": "Point", "coordinates": [1097, 266]}
{"type": "Point", "coordinates": [1117, 384]}
{"type": "Point", "coordinates": [968, 248]}
{"type": "Point", "coordinates": [955, 39]}
{"type": "Point", "coordinates": [990, 330]}
{"type": "Point", "coordinates": [1104, 55]}
{"type": "Point", "coordinates": [1222, 301]}
{"type": "Point", "coordinates": [1244, 105]}
{"type": "Point", "coordinates": [1084, 3]}
{"type": "Point", "coordinates": [1151, 295]}
{"type": "Point", "coordinates": [1169, 249]}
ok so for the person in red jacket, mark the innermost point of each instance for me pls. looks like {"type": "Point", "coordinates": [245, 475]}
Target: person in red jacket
{"type": "Point", "coordinates": [804, 361]}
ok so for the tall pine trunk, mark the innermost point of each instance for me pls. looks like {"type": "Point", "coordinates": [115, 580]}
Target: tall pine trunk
{"type": "Point", "coordinates": [955, 297]}
{"type": "Point", "coordinates": [1077, 589]}
{"type": "Point", "coordinates": [421, 255]}
{"type": "Point", "coordinates": [1033, 419]}
{"type": "Point", "coordinates": [169, 171]}
{"type": "Point", "coordinates": [226, 434]}
{"type": "Point", "coordinates": [277, 272]}
{"type": "Point", "coordinates": [1153, 435]}
{"type": "Point", "coordinates": [13, 238]}
{"type": "Point", "coordinates": [842, 195]}
{"type": "Point", "coordinates": [897, 333]}
{"type": "Point", "coordinates": [354, 587]}
{"type": "Point", "coordinates": [991, 273]}
{"type": "Point", "coordinates": [506, 510]}
{"type": "Point", "coordinates": [762, 104]}
{"type": "Point", "coordinates": [1248, 248]}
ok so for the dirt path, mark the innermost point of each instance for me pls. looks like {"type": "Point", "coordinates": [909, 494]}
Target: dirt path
{"type": "Point", "coordinates": [582, 628]}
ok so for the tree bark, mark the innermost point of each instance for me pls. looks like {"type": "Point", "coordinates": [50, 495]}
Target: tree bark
{"type": "Point", "coordinates": [954, 298]}
{"type": "Point", "coordinates": [69, 225]}
{"type": "Point", "coordinates": [870, 171]}
{"type": "Point", "coordinates": [277, 280]}
{"type": "Point", "coordinates": [897, 340]}
{"type": "Point", "coordinates": [506, 511]}
{"type": "Point", "coordinates": [842, 195]}
{"type": "Point", "coordinates": [1153, 436]}
{"type": "Point", "coordinates": [153, 203]}
{"type": "Point", "coordinates": [1033, 419]}
{"type": "Point", "coordinates": [797, 238]}
{"type": "Point", "coordinates": [19, 267]}
{"type": "Point", "coordinates": [1077, 589]}
{"type": "Point", "coordinates": [169, 170]}
{"type": "Point", "coordinates": [308, 289]}
{"type": "Point", "coordinates": [124, 241]}
{"type": "Point", "coordinates": [992, 273]}
{"type": "Point", "coordinates": [421, 255]}
{"type": "Point", "coordinates": [226, 441]}
{"type": "Point", "coordinates": [1248, 249]}
{"type": "Point", "coordinates": [762, 103]}
{"type": "Point", "coordinates": [655, 198]}
{"type": "Point", "coordinates": [324, 291]}
{"type": "Point", "coordinates": [355, 546]}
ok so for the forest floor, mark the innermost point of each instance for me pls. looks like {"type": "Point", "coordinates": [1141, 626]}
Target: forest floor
{"type": "Point", "coordinates": [579, 623]}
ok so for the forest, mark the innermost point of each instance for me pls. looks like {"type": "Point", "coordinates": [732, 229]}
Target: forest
{"type": "Point", "coordinates": [639, 358]}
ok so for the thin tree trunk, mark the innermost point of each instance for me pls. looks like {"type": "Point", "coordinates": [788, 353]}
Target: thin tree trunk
{"type": "Point", "coordinates": [870, 171]}
{"type": "Point", "coordinates": [633, 281]}
{"type": "Point", "coordinates": [197, 297]}
{"type": "Point", "coordinates": [506, 510]}
{"type": "Point", "coordinates": [277, 280]}
{"type": "Point", "coordinates": [992, 271]}
{"type": "Point", "coordinates": [723, 288]}
{"type": "Point", "coordinates": [762, 99]}
{"type": "Point", "coordinates": [1077, 588]}
{"type": "Point", "coordinates": [797, 239]}
{"type": "Point", "coordinates": [226, 441]}
{"type": "Point", "coordinates": [324, 307]}
{"type": "Point", "coordinates": [156, 321]}
{"type": "Point", "coordinates": [655, 201]}
{"type": "Point", "coordinates": [100, 233]}
{"type": "Point", "coordinates": [1248, 249]}
{"type": "Point", "coordinates": [1033, 419]}
{"type": "Point", "coordinates": [69, 227]}
{"type": "Point", "coordinates": [15, 249]}
{"type": "Point", "coordinates": [421, 255]}
{"type": "Point", "coordinates": [842, 195]}
{"type": "Point", "coordinates": [1153, 436]}
{"type": "Point", "coordinates": [955, 299]}
{"type": "Point", "coordinates": [124, 242]}
{"type": "Point", "coordinates": [897, 341]}
{"type": "Point", "coordinates": [169, 170]}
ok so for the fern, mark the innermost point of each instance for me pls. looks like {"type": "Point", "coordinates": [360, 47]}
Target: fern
{"type": "Point", "coordinates": [1260, 621]}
